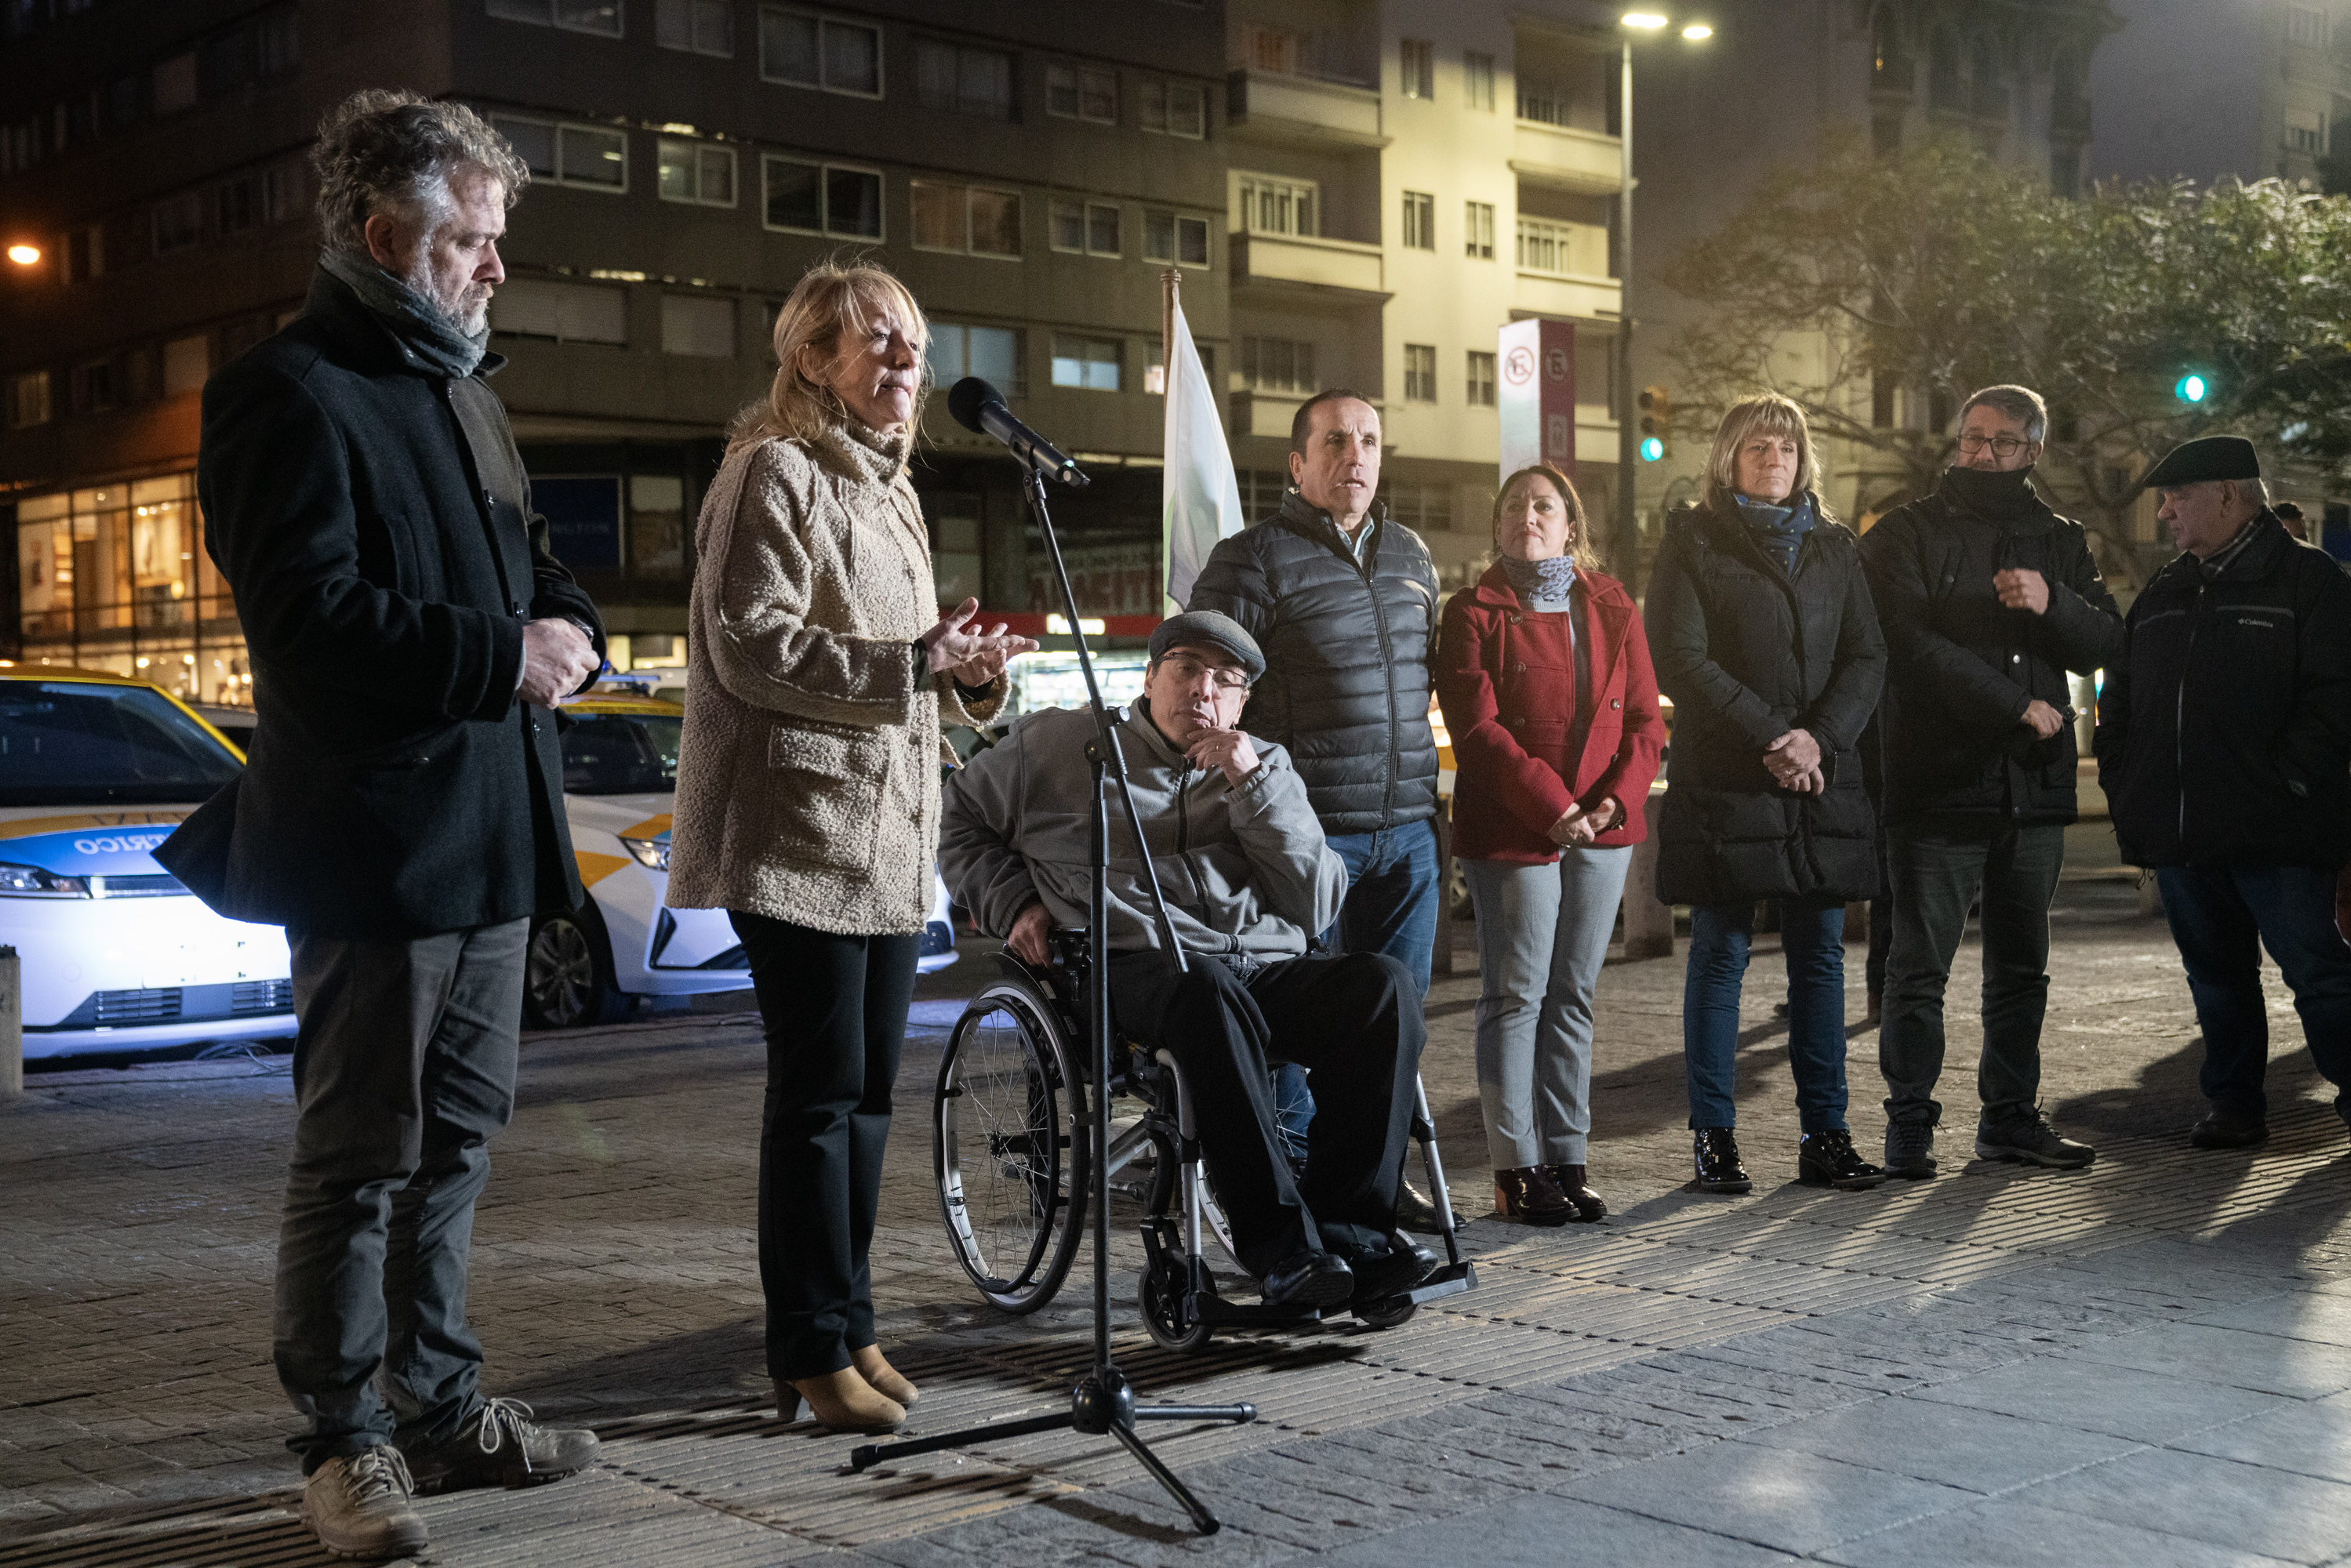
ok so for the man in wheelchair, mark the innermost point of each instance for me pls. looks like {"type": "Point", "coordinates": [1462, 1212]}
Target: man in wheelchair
{"type": "Point", "coordinates": [1246, 877]}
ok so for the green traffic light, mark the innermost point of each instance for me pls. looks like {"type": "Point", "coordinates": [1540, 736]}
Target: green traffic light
{"type": "Point", "coordinates": [2192, 388]}
{"type": "Point", "coordinates": [1652, 449]}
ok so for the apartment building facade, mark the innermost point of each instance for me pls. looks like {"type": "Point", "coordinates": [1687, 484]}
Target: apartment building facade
{"type": "Point", "coordinates": [2256, 88]}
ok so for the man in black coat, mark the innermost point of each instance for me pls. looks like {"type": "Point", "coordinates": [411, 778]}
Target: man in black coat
{"type": "Point", "coordinates": [2224, 747]}
{"type": "Point", "coordinates": [402, 814]}
{"type": "Point", "coordinates": [1987, 597]}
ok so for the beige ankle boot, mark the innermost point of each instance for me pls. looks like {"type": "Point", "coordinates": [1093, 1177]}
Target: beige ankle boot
{"type": "Point", "coordinates": [842, 1400]}
{"type": "Point", "coordinates": [884, 1378]}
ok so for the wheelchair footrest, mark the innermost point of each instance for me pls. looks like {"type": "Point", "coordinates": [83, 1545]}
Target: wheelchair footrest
{"type": "Point", "coordinates": [1449, 1281]}
{"type": "Point", "coordinates": [1217, 1310]}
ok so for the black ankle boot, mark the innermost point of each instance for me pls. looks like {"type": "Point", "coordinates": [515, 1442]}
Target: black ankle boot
{"type": "Point", "coordinates": [1829, 1159]}
{"type": "Point", "coordinates": [1718, 1169]}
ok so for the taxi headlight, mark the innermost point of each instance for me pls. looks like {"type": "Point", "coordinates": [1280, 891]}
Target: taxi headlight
{"type": "Point", "coordinates": [32, 882]}
{"type": "Point", "coordinates": [653, 853]}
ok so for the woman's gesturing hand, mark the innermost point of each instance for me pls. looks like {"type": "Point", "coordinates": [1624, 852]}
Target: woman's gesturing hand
{"type": "Point", "coordinates": [973, 656]}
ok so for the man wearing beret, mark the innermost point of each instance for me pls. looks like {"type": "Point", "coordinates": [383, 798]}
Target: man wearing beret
{"type": "Point", "coordinates": [1248, 878]}
{"type": "Point", "coordinates": [2224, 750]}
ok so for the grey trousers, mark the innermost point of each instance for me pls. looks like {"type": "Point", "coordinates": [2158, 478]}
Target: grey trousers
{"type": "Point", "coordinates": [1542, 935]}
{"type": "Point", "coordinates": [403, 1067]}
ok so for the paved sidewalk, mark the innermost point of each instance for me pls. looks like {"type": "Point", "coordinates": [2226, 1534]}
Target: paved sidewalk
{"type": "Point", "coordinates": [2143, 1364]}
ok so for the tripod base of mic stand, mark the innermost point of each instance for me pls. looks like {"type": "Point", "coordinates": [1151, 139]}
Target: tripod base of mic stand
{"type": "Point", "coordinates": [1102, 1402]}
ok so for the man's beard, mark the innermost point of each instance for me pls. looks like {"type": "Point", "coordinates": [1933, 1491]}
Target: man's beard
{"type": "Point", "coordinates": [465, 314]}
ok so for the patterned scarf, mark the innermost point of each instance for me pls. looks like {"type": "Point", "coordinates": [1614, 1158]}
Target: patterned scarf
{"type": "Point", "coordinates": [1549, 578]}
{"type": "Point", "coordinates": [423, 331]}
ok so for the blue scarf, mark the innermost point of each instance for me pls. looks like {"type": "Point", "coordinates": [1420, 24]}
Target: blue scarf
{"type": "Point", "coordinates": [1549, 578]}
{"type": "Point", "coordinates": [1780, 529]}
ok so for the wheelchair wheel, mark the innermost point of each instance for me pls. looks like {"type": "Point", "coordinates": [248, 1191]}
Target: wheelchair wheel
{"type": "Point", "coordinates": [1163, 1310]}
{"type": "Point", "coordinates": [1010, 1148]}
{"type": "Point", "coordinates": [1393, 1312]}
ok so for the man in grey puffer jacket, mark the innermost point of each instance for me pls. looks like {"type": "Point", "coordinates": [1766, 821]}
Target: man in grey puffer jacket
{"type": "Point", "coordinates": [1247, 876]}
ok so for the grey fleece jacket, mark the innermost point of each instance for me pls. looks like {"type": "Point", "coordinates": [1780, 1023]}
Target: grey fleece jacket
{"type": "Point", "coordinates": [1243, 868]}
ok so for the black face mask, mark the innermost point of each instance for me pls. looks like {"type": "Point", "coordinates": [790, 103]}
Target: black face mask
{"type": "Point", "coordinates": [1989, 494]}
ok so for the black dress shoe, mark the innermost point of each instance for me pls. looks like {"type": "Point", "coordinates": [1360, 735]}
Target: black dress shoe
{"type": "Point", "coordinates": [1829, 1159]}
{"type": "Point", "coordinates": [1716, 1152]}
{"type": "Point", "coordinates": [1309, 1279]}
{"type": "Point", "coordinates": [2229, 1127]}
{"type": "Point", "coordinates": [1588, 1205]}
{"type": "Point", "coordinates": [1528, 1194]}
{"type": "Point", "coordinates": [1414, 1211]}
{"type": "Point", "coordinates": [1388, 1271]}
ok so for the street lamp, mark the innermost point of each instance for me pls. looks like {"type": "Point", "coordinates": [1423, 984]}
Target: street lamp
{"type": "Point", "coordinates": [1636, 24]}
{"type": "Point", "coordinates": [24, 254]}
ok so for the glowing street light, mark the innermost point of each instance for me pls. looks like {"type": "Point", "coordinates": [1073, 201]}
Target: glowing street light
{"type": "Point", "coordinates": [24, 254]}
{"type": "Point", "coordinates": [1698, 32]}
{"type": "Point", "coordinates": [1648, 21]}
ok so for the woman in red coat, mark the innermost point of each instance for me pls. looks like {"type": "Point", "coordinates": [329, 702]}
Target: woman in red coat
{"type": "Point", "coordinates": [1542, 669]}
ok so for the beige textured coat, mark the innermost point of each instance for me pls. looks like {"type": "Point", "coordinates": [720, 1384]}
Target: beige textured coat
{"type": "Point", "coordinates": [808, 789]}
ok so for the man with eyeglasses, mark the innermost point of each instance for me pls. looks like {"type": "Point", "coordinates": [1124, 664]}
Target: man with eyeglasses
{"type": "Point", "coordinates": [1987, 598]}
{"type": "Point", "coordinates": [1247, 879]}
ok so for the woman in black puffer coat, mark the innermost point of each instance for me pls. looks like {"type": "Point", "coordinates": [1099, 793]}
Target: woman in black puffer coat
{"type": "Point", "coordinates": [1762, 633]}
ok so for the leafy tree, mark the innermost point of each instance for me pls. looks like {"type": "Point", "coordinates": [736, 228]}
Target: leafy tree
{"type": "Point", "coordinates": [1939, 271]}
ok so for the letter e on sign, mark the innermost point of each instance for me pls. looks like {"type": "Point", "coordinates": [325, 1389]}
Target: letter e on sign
{"type": "Point", "coordinates": [1555, 364]}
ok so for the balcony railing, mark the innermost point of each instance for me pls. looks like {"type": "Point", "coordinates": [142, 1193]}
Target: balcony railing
{"type": "Point", "coordinates": [1562, 249]}
{"type": "Point", "coordinates": [1302, 259]}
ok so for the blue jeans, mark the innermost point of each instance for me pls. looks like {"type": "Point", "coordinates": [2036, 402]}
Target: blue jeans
{"type": "Point", "coordinates": [1391, 907]}
{"type": "Point", "coordinates": [2220, 918]}
{"type": "Point", "coordinates": [1813, 935]}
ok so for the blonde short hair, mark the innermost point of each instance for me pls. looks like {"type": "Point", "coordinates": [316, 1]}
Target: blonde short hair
{"type": "Point", "coordinates": [830, 300]}
{"type": "Point", "coordinates": [1579, 527]}
{"type": "Point", "coordinates": [1766, 415]}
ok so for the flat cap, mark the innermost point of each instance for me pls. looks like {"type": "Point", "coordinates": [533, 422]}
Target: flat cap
{"type": "Point", "coordinates": [1207, 629]}
{"type": "Point", "coordinates": [2205, 457]}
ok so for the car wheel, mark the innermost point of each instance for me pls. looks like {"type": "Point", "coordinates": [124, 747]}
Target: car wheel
{"type": "Point", "coordinates": [567, 977]}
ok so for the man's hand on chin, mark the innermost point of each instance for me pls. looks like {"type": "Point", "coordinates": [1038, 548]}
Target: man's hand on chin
{"type": "Point", "coordinates": [1228, 751]}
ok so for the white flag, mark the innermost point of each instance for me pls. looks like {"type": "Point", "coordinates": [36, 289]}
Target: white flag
{"type": "Point", "coordinates": [1200, 502]}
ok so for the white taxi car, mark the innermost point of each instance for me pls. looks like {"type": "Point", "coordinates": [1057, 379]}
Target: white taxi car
{"type": "Point", "coordinates": [620, 781]}
{"type": "Point", "coordinates": [95, 771]}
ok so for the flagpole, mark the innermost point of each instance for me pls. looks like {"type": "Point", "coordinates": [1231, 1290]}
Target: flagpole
{"type": "Point", "coordinates": [1169, 281]}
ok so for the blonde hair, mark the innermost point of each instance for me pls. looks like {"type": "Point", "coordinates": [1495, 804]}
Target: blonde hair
{"type": "Point", "coordinates": [1768, 414]}
{"type": "Point", "coordinates": [830, 300]}
{"type": "Point", "coordinates": [1579, 529]}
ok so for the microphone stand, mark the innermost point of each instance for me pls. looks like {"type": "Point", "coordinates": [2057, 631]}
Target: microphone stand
{"type": "Point", "coordinates": [1103, 1400]}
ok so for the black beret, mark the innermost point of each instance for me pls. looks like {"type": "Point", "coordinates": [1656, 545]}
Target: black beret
{"type": "Point", "coordinates": [1206, 628]}
{"type": "Point", "coordinates": [2205, 457]}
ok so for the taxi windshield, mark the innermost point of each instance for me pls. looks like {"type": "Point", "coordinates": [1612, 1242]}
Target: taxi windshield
{"type": "Point", "coordinates": [621, 753]}
{"type": "Point", "coordinates": [71, 743]}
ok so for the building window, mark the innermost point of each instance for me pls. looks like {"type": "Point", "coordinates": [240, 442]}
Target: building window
{"type": "Point", "coordinates": [1419, 373]}
{"type": "Point", "coordinates": [1550, 248]}
{"type": "Point", "coordinates": [1088, 228]}
{"type": "Point", "coordinates": [1545, 103]}
{"type": "Point", "coordinates": [1278, 365]}
{"type": "Point", "coordinates": [1417, 56]}
{"type": "Point", "coordinates": [2305, 131]}
{"type": "Point", "coordinates": [1481, 379]}
{"type": "Point", "coordinates": [800, 49]}
{"type": "Point", "coordinates": [1171, 237]}
{"type": "Point", "coordinates": [1267, 204]}
{"type": "Point", "coordinates": [93, 387]}
{"type": "Point", "coordinates": [1419, 221]}
{"type": "Point", "coordinates": [28, 400]}
{"type": "Point", "coordinates": [698, 173]}
{"type": "Point", "coordinates": [702, 325]}
{"type": "Point", "coordinates": [602, 17]}
{"type": "Point", "coordinates": [1478, 230]}
{"type": "Point", "coordinates": [588, 157]}
{"type": "Point", "coordinates": [286, 192]}
{"type": "Point", "coordinates": [179, 223]}
{"type": "Point", "coordinates": [1088, 362]}
{"type": "Point", "coordinates": [565, 312]}
{"type": "Point", "coordinates": [697, 27]}
{"type": "Point", "coordinates": [175, 84]}
{"type": "Point", "coordinates": [84, 252]}
{"type": "Point", "coordinates": [1174, 109]}
{"type": "Point", "coordinates": [963, 79]}
{"type": "Point", "coordinates": [1477, 81]}
{"type": "Point", "coordinates": [1424, 509]}
{"type": "Point", "coordinates": [992, 353]}
{"type": "Point", "coordinates": [236, 208]}
{"type": "Point", "coordinates": [822, 198]}
{"type": "Point", "coordinates": [2305, 25]}
{"type": "Point", "coordinates": [969, 220]}
{"type": "Point", "coordinates": [1081, 92]}
{"type": "Point", "coordinates": [187, 363]}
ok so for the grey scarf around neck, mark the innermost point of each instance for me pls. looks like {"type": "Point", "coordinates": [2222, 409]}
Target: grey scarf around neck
{"type": "Point", "coordinates": [423, 329]}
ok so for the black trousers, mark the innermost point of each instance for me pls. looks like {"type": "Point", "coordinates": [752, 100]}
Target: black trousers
{"type": "Point", "coordinates": [1354, 1023]}
{"type": "Point", "coordinates": [834, 1009]}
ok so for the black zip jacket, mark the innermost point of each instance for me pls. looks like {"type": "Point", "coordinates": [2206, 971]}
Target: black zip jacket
{"type": "Point", "coordinates": [2225, 732]}
{"type": "Point", "coordinates": [1747, 652]}
{"type": "Point", "coordinates": [1347, 650]}
{"type": "Point", "coordinates": [1961, 667]}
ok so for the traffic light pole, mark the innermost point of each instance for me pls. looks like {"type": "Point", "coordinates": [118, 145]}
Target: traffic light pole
{"type": "Point", "coordinates": [1625, 556]}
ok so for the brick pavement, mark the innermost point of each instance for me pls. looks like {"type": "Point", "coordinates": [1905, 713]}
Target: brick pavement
{"type": "Point", "coordinates": [2145, 1363]}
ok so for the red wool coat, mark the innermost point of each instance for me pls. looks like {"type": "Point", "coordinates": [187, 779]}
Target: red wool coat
{"type": "Point", "coordinates": [1526, 742]}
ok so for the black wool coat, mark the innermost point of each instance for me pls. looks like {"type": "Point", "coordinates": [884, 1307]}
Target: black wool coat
{"type": "Point", "coordinates": [2225, 732]}
{"type": "Point", "coordinates": [1961, 667]}
{"type": "Point", "coordinates": [384, 558]}
{"type": "Point", "coordinates": [1747, 652]}
{"type": "Point", "coordinates": [1347, 650]}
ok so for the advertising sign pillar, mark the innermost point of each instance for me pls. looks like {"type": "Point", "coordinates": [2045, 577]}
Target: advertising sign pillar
{"type": "Point", "coordinates": [1537, 369]}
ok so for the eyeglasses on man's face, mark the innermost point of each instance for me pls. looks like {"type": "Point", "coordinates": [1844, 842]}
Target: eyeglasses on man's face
{"type": "Point", "coordinates": [1184, 667]}
{"type": "Point", "coordinates": [2003, 446]}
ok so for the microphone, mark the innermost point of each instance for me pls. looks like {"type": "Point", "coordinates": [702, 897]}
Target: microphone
{"type": "Point", "coordinates": [978, 406]}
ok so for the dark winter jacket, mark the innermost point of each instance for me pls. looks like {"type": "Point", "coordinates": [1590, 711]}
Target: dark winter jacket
{"type": "Point", "coordinates": [373, 520]}
{"type": "Point", "coordinates": [1960, 668]}
{"type": "Point", "coordinates": [1347, 650]}
{"type": "Point", "coordinates": [2225, 732]}
{"type": "Point", "coordinates": [1747, 654]}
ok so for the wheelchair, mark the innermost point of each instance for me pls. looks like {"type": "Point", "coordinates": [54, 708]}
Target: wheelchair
{"type": "Point", "coordinates": [1013, 1152]}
